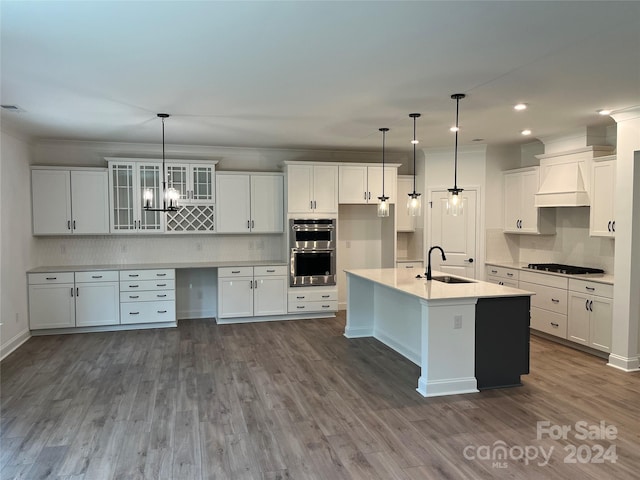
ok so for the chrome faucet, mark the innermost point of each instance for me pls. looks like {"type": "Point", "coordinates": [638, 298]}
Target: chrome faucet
{"type": "Point", "coordinates": [429, 263]}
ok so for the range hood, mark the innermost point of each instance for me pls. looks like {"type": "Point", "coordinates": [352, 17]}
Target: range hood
{"type": "Point", "coordinates": [562, 185]}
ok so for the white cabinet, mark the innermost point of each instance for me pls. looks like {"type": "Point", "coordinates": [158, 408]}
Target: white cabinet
{"type": "Point", "coordinates": [502, 276]}
{"type": "Point", "coordinates": [404, 221]}
{"type": "Point", "coordinates": [549, 304]}
{"type": "Point", "coordinates": [313, 299]}
{"type": "Point", "coordinates": [364, 184]}
{"type": "Point", "coordinates": [520, 213]}
{"type": "Point", "coordinates": [250, 203]}
{"type": "Point", "coordinates": [252, 291]}
{"type": "Point", "coordinates": [195, 183]}
{"type": "Point", "coordinates": [65, 299]}
{"type": "Point", "coordinates": [418, 267]}
{"type": "Point", "coordinates": [67, 201]}
{"type": "Point", "coordinates": [147, 296]}
{"type": "Point", "coordinates": [127, 181]}
{"type": "Point", "coordinates": [590, 314]}
{"type": "Point", "coordinates": [312, 188]}
{"type": "Point", "coordinates": [603, 180]}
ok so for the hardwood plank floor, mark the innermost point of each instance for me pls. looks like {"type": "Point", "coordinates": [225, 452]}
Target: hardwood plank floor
{"type": "Point", "coordinates": [296, 400]}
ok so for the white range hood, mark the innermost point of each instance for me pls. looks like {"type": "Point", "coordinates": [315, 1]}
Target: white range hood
{"type": "Point", "coordinates": [562, 186]}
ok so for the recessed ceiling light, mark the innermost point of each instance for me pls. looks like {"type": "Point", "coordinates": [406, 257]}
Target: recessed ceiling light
{"type": "Point", "coordinates": [454, 129]}
{"type": "Point", "coordinates": [526, 132]}
{"type": "Point", "coordinates": [604, 111]}
{"type": "Point", "coordinates": [520, 106]}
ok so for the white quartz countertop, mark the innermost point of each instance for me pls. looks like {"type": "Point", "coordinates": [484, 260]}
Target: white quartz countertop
{"type": "Point", "coordinates": [154, 266]}
{"type": "Point", "coordinates": [406, 281]}
{"type": "Point", "coordinates": [591, 277]}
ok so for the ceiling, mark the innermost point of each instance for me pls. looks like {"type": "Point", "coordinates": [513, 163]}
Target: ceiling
{"type": "Point", "coordinates": [320, 75]}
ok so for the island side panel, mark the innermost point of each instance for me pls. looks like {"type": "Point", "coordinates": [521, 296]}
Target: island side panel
{"type": "Point", "coordinates": [397, 322]}
{"type": "Point", "coordinates": [448, 347]}
{"type": "Point", "coordinates": [502, 341]}
{"type": "Point", "coordinates": [360, 307]}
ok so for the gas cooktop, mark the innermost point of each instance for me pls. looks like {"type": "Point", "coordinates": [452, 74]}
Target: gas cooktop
{"type": "Point", "coordinates": [567, 269]}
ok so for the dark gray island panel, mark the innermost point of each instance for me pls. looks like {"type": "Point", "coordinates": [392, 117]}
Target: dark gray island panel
{"type": "Point", "coordinates": [502, 341]}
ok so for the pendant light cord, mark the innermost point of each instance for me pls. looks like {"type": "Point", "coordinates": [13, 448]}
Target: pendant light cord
{"type": "Point", "coordinates": [455, 155]}
{"type": "Point", "coordinates": [383, 137]}
{"type": "Point", "coordinates": [414, 155]}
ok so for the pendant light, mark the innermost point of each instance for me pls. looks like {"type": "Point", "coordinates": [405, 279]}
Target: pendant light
{"type": "Point", "coordinates": [383, 205]}
{"type": "Point", "coordinates": [414, 204]}
{"type": "Point", "coordinates": [454, 202]}
{"type": "Point", "coordinates": [169, 195]}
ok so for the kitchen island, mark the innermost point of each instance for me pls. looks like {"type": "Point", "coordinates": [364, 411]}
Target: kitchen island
{"type": "Point", "coordinates": [464, 336]}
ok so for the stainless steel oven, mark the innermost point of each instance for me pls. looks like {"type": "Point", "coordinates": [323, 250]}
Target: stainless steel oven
{"type": "Point", "coordinates": [312, 244]}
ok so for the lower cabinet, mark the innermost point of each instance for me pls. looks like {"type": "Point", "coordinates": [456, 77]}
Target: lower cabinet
{"type": "Point", "coordinates": [502, 276]}
{"type": "Point", "coordinates": [68, 299]}
{"type": "Point", "coordinates": [313, 299]}
{"type": "Point", "coordinates": [590, 315]}
{"type": "Point", "coordinates": [147, 296]}
{"type": "Point", "coordinates": [549, 304]}
{"type": "Point", "coordinates": [252, 291]}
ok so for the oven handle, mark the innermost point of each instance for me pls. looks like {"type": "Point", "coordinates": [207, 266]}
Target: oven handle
{"type": "Point", "coordinates": [313, 228]}
{"type": "Point", "coordinates": [313, 250]}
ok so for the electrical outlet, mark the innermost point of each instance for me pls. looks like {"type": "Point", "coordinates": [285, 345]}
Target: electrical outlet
{"type": "Point", "coordinates": [347, 244]}
{"type": "Point", "coordinates": [457, 321]}
{"type": "Point", "coordinates": [199, 294]}
{"type": "Point", "coordinates": [261, 245]}
{"type": "Point", "coordinates": [17, 317]}
{"type": "Point", "coordinates": [198, 247]}
{"type": "Point", "coordinates": [63, 248]}
{"type": "Point", "coordinates": [251, 245]}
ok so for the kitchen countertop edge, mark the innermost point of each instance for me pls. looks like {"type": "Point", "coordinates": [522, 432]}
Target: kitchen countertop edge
{"type": "Point", "coordinates": [606, 278]}
{"type": "Point", "coordinates": [155, 266]}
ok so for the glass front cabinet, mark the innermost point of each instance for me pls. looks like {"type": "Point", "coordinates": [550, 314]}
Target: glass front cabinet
{"type": "Point", "coordinates": [195, 183]}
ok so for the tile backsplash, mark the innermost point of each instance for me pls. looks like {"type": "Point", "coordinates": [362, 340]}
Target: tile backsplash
{"type": "Point", "coordinates": [126, 249]}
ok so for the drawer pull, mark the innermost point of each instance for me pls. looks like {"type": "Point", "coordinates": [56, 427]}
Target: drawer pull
{"type": "Point", "coordinates": [134, 313]}
{"type": "Point", "coordinates": [160, 296]}
{"type": "Point", "coordinates": [96, 276]}
{"type": "Point", "coordinates": [509, 274]}
{"type": "Point", "coordinates": [326, 296]}
{"type": "Point", "coordinates": [300, 307]}
{"type": "Point", "coordinates": [554, 325]}
{"type": "Point", "coordinates": [326, 306]}
{"type": "Point", "coordinates": [161, 274]}
{"type": "Point", "coordinates": [270, 271]}
{"type": "Point", "coordinates": [591, 289]}
{"type": "Point", "coordinates": [555, 300]}
{"type": "Point", "coordinates": [52, 278]}
{"type": "Point", "coordinates": [235, 271]}
{"type": "Point", "coordinates": [162, 311]}
{"type": "Point", "coordinates": [134, 296]}
{"type": "Point", "coordinates": [161, 284]}
{"type": "Point", "coordinates": [133, 275]}
{"type": "Point", "coordinates": [408, 266]}
{"type": "Point", "coordinates": [134, 286]}
{"type": "Point", "coordinates": [494, 271]}
{"type": "Point", "coordinates": [300, 298]}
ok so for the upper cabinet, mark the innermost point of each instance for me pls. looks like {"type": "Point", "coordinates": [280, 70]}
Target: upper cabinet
{"type": "Point", "coordinates": [195, 183]}
{"type": "Point", "coordinates": [250, 203]}
{"type": "Point", "coordinates": [520, 213]}
{"type": "Point", "coordinates": [364, 184]}
{"type": "Point", "coordinates": [603, 180]}
{"type": "Point", "coordinates": [404, 221]}
{"type": "Point", "coordinates": [128, 181]}
{"type": "Point", "coordinates": [70, 201]}
{"type": "Point", "coordinates": [312, 188]}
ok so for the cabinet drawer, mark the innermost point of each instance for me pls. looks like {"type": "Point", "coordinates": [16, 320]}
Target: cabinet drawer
{"type": "Point", "coordinates": [502, 281]}
{"type": "Point", "coordinates": [141, 285]}
{"type": "Point", "coordinates": [328, 306]}
{"type": "Point", "coordinates": [591, 288]}
{"type": "Point", "coordinates": [98, 276]}
{"type": "Point", "coordinates": [320, 296]}
{"type": "Point", "coordinates": [269, 270]}
{"type": "Point", "coordinates": [147, 312]}
{"type": "Point", "coordinates": [225, 272]}
{"type": "Point", "coordinates": [549, 298]}
{"type": "Point", "coordinates": [410, 265]}
{"type": "Point", "coordinates": [544, 279]}
{"type": "Point", "coordinates": [168, 274]}
{"type": "Point", "coordinates": [147, 296]}
{"type": "Point", "coordinates": [55, 277]}
{"type": "Point", "coordinates": [549, 322]}
{"type": "Point", "coordinates": [503, 272]}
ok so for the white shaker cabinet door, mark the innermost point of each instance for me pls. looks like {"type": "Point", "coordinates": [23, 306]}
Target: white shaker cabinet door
{"type": "Point", "coordinates": [52, 306]}
{"type": "Point", "coordinates": [51, 202]}
{"type": "Point", "coordinates": [325, 188]}
{"type": "Point", "coordinates": [235, 297]}
{"type": "Point", "coordinates": [90, 202]}
{"type": "Point", "coordinates": [97, 304]}
{"type": "Point", "coordinates": [267, 204]}
{"type": "Point", "coordinates": [233, 207]}
{"type": "Point", "coordinates": [270, 296]}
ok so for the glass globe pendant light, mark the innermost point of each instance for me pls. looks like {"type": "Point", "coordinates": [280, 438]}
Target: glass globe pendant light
{"type": "Point", "coordinates": [414, 203]}
{"type": "Point", "coordinates": [170, 195]}
{"type": "Point", "coordinates": [454, 201]}
{"type": "Point", "coordinates": [383, 204]}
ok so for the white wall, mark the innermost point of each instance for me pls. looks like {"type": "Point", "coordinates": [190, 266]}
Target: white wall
{"type": "Point", "coordinates": [16, 244]}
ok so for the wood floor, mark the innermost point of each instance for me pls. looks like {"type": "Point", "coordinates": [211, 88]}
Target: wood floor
{"type": "Point", "coordinates": [294, 400]}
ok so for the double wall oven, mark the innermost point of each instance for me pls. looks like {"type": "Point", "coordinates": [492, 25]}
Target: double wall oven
{"type": "Point", "coordinates": [312, 244]}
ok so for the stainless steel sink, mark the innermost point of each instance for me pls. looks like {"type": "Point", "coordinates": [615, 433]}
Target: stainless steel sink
{"type": "Point", "coordinates": [450, 279]}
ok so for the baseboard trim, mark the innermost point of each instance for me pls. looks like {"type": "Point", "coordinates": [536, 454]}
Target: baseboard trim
{"type": "Point", "coordinates": [626, 364]}
{"type": "Point", "coordinates": [275, 318]}
{"type": "Point", "coordinates": [103, 328]}
{"type": "Point", "coordinates": [449, 386]}
{"type": "Point", "coordinates": [401, 349]}
{"type": "Point", "coordinates": [12, 344]}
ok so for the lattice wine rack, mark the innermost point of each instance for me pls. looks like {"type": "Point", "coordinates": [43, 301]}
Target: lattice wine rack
{"type": "Point", "coordinates": [192, 218]}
